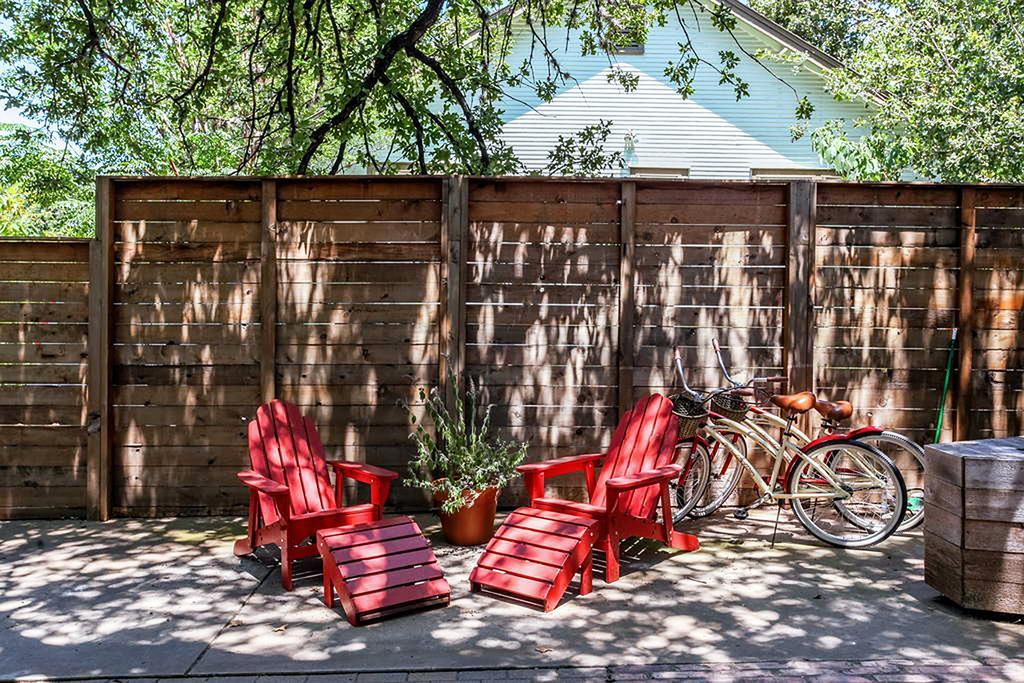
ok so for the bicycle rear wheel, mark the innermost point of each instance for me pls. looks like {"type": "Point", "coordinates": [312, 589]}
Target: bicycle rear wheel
{"type": "Point", "coordinates": [909, 458]}
{"type": "Point", "coordinates": [875, 499]}
{"type": "Point", "coordinates": [725, 473]}
{"type": "Point", "coordinates": [688, 489]}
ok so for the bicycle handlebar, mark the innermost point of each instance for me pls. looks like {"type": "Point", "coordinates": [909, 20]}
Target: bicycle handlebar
{"type": "Point", "coordinates": [741, 390]}
{"type": "Point", "coordinates": [721, 362]}
{"type": "Point", "coordinates": [747, 389]}
{"type": "Point", "coordinates": [774, 379]}
{"type": "Point", "coordinates": [682, 374]}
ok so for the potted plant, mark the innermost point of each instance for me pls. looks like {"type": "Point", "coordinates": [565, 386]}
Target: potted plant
{"type": "Point", "coordinates": [463, 465]}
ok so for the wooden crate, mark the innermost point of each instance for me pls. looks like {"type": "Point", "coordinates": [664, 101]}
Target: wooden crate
{"type": "Point", "coordinates": [974, 523]}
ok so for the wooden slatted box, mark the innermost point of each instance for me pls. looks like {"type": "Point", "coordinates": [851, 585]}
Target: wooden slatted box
{"type": "Point", "coordinates": [974, 523]}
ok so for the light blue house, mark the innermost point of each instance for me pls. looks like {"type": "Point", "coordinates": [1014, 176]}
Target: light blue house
{"type": "Point", "coordinates": [709, 135]}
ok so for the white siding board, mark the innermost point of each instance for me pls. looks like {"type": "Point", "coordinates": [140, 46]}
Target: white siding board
{"type": "Point", "coordinates": [711, 133]}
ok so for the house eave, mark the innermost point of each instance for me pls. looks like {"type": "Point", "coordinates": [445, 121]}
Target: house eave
{"type": "Point", "coordinates": [784, 36]}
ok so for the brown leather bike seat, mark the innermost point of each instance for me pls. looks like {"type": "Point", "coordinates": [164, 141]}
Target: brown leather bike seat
{"type": "Point", "coordinates": [797, 403]}
{"type": "Point", "coordinates": [834, 410]}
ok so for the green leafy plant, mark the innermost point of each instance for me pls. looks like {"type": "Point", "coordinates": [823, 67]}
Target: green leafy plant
{"type": "Point", "coordinates": [463, 458]}
{"type": "Point", "coordinates": [583, 153]}
{"type": "Point", "coordinates": [45, 189]}
{"type": "Point", "coordinates": [942, 80]}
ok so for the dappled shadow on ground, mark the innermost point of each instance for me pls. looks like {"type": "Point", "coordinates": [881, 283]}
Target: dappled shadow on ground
{"type": "Point", "coordinates": [159, 597]}
{"type": "Point", "coordinates": [131, 596]}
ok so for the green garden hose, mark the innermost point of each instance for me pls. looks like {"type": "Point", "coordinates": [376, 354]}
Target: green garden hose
{"type": "Point", "coordinates": [945, 385]}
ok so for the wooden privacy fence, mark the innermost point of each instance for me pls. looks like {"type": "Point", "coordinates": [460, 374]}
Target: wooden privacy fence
{"type": "Point", "coordinates": [563, 299]}
{"type": "Point", "coordinates": [43, 331]}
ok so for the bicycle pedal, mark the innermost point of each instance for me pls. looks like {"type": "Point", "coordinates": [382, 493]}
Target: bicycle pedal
{"type": "Point", "coordinates": [741, 513]}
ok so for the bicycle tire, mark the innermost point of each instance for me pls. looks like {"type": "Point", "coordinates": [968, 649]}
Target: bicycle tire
{"type": "Point", "coordinates": [914, 483]}
{"type": "Point", "coordinates": [723, 484]}
{"type": "Point", "coordinates": [688, 489]}
{"type": "Point", "coordinates": [893, 495]}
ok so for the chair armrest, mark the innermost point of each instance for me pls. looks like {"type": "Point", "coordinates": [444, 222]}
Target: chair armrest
{"type": "Point", "coordinates": [378, 478]}
{"type": "Point", "coordinates": [255, 480]}
{"type": "Point", "coordinates": [556, 466]}
{"type": "Point", "coordinates": [534, 473]}
{"type": "Point", "coordinates": [278, 493]}
{"type": "Point", "coordinates": [360, 471]}
{"type": "Point", "coordinates": [647, 478]}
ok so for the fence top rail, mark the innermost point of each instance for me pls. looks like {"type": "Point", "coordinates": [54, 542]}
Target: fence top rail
{"type": "Point", "coordinates": [15, 239]}
{"type": "Point", "coordinates": [258, 178]}
{"type": "Point", "coordinates": [421, 178]}
{"type": "Point", "coordinates": [548, 179]}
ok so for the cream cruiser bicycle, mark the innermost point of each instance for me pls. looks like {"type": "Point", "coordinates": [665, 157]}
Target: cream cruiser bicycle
{"type": "Point", "coordinates": [845, 493]}
{"type": "Point", "coordinates": [725, 473]}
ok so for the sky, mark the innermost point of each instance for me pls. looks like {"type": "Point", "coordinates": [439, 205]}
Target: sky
{"type": "Point", "coordinates": [12, 116]}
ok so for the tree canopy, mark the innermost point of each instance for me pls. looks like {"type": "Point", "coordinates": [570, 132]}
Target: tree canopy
{"type": "Point", "coordinates": [946, 77]}
{"type": "Point", "coordinates": [314, 86]}
{"type": "Point", "coordinates": [326, 86]}
{"type": "Point", "coordinates": [44, 189]}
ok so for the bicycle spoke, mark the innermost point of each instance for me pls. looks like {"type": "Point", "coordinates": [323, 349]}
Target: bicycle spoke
{"type": "Point", "coordinates": [857, 503]}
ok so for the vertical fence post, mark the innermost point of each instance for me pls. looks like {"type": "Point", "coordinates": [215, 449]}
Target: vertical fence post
{"type": "Point", "coordinates": [99, 426]}
{"type": "Point", "coordinates": [627, 294]}
{"type": "Point", "coordinates": [965, 332]}
{"type": "Point", "coordinates": [798, 311]}
{"type": "Point", "coordinates": [454, 231]}
{"type": "Point", "coordinates": [268, 292]}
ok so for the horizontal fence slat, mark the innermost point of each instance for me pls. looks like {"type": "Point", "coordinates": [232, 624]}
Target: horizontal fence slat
{"type": "Point", "coordinates": [359, 307]}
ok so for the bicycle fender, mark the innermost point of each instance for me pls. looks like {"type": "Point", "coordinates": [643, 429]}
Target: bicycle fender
{"type": "Point", "coordinates": [829, 437]}
{"type": "Point", "coordinates": [870, 430]}
{"type": "Point", "coordinates": [820, 440]}
{"type": "Point", "coordinates": [852, 435]}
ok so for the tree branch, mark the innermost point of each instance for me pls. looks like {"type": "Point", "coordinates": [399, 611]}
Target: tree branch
{"type": "Point", "coordinates": [339, 158]}
{"type": "Point", "coordinates": [289, 74]}
{"type": "Point", "coordinates": [414, 119]}
{"type": "Point", "coordinates": [95, 43]}
{"type": "Point", "coordinates": [208, 66]}
{"type": "Point", "coordinates": [427, 18]}
{"type": "Point", "coordinates": [453, 88]}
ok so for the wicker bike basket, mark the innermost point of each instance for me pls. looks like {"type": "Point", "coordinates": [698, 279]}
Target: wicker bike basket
{"type": "Point", "coordinates": [730, 406]}
{"type": "Point", "coordinates": [691, 415]}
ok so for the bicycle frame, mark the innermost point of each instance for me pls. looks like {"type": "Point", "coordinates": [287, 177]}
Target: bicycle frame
{"type": "Point", "coordinates": [801, 437]}
{"type": "Point", "coordinates": [785, 451]}
{"type": "Point", "coordinates": [831, 433]}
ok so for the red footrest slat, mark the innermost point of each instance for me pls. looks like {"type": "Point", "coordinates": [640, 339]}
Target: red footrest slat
{"type": "Point", "coordinates": [534, 555]}
{"type": "Point", "coordinates": [380, 568]}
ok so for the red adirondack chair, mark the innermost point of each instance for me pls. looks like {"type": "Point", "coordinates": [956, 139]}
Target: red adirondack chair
{"type": "Point", "coordinates": [290, 494]}
{"type": "Point", "coordinates": [634, 477]}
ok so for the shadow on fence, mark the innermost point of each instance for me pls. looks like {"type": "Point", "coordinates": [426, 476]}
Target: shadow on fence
{"type": "Point", "coordinates": [569, 298]}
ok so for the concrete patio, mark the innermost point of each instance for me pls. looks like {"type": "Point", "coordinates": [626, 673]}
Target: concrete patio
{"type": "Point", "coordinates": [156, 598]}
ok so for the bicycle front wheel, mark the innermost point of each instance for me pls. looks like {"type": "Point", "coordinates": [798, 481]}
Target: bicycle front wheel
{"type": "Point", "coordinates": [688, 489]}
{"type": "Point", "coordinates": [909, 458]}
{"type": "Point", "coordinates": [725, 475]}
{"type": "Point", "coordinates": [865, 503]}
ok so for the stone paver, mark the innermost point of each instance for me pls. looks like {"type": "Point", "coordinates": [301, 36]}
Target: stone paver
{"type": "Point", "coordinates": [142, 600]}
{"type": "Point", "coordinates": [774, 671]}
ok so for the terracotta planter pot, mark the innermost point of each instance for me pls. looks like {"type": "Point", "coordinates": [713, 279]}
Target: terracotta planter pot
{"type": "Point", "coordinates": [472, 524]}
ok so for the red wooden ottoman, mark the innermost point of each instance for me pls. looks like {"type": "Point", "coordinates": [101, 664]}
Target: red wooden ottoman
{"type": "Point", "coordinates": [380, 568]}
{"type": "Point", "coordinates": [534, 555]}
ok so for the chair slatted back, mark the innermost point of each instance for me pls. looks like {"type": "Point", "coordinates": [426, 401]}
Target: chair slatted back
{"type": "Point", "coordinates": [644, 440]}
{"type": "Point", "coordinates": [284, 446]}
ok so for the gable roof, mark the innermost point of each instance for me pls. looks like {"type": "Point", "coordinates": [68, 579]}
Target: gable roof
{"type": "Point", "coordinates": [761, 23]}
{"type": "Point", "coordinates": [755, 20]}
